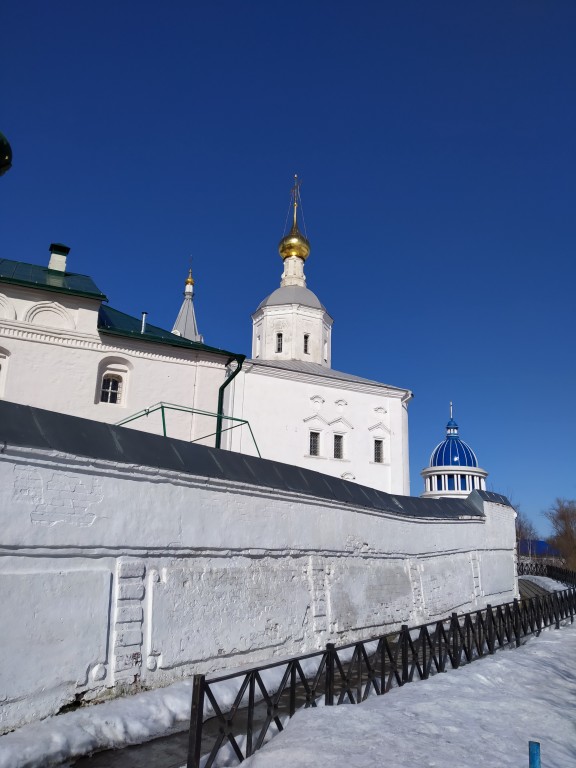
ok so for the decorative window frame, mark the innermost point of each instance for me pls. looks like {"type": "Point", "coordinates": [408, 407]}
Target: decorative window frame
{"type": "Point", "coordinates": [113, 367]}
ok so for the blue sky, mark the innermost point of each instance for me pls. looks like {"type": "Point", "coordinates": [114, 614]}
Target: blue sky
{"type": "Point", "coordinates": [436, 146]}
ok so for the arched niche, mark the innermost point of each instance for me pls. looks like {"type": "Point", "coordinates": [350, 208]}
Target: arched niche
{"type": "Point", "coordinates": [50, 314]}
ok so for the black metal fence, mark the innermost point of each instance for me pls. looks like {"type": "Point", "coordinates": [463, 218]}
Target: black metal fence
{"type": "Point", "coordinates": [242, 710]}
{"type": "Point", "coordinates": [551, 571]}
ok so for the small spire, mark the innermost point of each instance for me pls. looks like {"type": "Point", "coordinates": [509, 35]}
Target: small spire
{"type": "Point", "coordinates": [185, 324]}
{"type": "Point", "coordinates": [451, 427]}
{"type": "Point", "coordinates": [295, 192]}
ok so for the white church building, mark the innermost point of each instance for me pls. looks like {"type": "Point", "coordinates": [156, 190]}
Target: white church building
{"type": "Point", "coordinates": [63, 348]}
{"type": "Point", "coordinates": [132, 560]}
{"type": "Point", "coordinates": [301, 410]}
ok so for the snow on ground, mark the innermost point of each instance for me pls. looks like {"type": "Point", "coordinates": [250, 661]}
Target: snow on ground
{"type": "Point", "coordinates": [480, 716]}
{"type": "Point", "coordinates": [117, 723]}
{"type": "Point", "coordinates": [550, 584]}
{"type": "Point", "coordinates": [483, 714]}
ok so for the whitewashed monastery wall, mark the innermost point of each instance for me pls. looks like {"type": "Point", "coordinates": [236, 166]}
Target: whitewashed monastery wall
{"type": "Point", "coordinates": [120, 576]}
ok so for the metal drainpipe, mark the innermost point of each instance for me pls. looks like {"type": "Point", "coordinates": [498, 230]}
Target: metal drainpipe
{"type": "Point", "coordinates": [239, 359]}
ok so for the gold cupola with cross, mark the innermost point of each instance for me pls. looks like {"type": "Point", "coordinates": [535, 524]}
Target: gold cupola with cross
{"type": "Point", "coordinates": [294, 244]}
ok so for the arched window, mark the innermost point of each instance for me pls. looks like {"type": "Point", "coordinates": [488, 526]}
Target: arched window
{"type": "Point", "coordinates": [112, 381]}
{"type": "Point", "coordinates": [111, 388]}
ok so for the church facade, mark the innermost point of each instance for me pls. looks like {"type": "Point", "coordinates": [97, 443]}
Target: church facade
{"type": "Point", "coordinates": [62, 348]}
{"type": "Point", "coordinates": [301, 410]}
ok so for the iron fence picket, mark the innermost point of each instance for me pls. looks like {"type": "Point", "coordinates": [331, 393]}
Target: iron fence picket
{"type": "Point", "coordinates": [196, 722]}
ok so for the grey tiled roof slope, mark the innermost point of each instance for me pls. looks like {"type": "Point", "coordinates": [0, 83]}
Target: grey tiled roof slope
{"type": "Point", "coordinates": [24, 426]}
{"type": "Point", "coordinates": [318, 370]}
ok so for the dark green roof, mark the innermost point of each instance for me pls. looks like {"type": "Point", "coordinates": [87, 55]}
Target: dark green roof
{"type": "Point", "coordinates": [19, 273]}
{"type": "Point", "coordinates": [116, 323]}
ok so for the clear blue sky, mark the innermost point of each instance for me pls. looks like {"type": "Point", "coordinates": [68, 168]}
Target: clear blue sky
{"type": "Point", "coordinates": [436, 144]}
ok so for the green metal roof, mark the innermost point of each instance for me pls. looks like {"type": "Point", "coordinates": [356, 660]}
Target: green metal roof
{"type": "Point", "coordinates": [31, 275]}
{"type": "Point", "coordinates": [112, 321]}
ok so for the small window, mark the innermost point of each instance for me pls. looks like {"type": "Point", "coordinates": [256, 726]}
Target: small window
{"type": "Point", "coordinates": [438, 482]}
{"type": "Point", "coordinates": [451, 483]}
{"type": "Point", "coordinates": [306, 343]}
{"type": "Point", "coordinates": [326, 351]}
{"type": "Point", "coordinates": [463, 484]}
{"type": "Point", "coordinates": [111, 389]}
{"type": "Point", "coordinates": [278, 342]}
{"type": "Point", "coordinates": [338, 446]}
{"type": "Point", "coordinates": [378, 451]}
{"type": "Point", "coordinates": [314, 443]}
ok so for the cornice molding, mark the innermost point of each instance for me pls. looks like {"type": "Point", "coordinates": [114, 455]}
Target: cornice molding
{"type": "Point", "coordinates": [318, 379]}
{"type": "Point", "coordinates": [77, 340]}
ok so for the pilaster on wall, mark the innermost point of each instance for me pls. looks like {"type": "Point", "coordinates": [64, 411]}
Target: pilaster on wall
{"type": "Point", "coordinates": [475, 561]}
{"type": "Point", "coordinates": [318, 607]}
{"type": "Point", "coordinates": [415, 571]}
{"type": "Point", "coordinates": [129, 615]}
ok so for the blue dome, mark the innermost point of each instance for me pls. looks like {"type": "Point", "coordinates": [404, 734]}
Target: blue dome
{"type": "Point", "coordinates": [453, 452]}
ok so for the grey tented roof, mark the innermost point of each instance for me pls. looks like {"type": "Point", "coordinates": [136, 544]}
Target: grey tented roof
{"type": "Point", "coordinates": [315, 369]}
{"type": "Point", "coordinates": [292, 294]}
{"type": "Point", "coordinates": [24, 426]}
{"type": "Point", "coordinates": [185, 324]}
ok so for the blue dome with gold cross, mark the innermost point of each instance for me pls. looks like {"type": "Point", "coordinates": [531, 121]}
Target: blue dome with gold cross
{"type": "Point", "coordinates": [453, 451]}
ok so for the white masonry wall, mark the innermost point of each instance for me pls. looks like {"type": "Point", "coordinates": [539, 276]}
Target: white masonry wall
{"type": "Point", "coordinates": [115, 576]}
{"type": "Point", "coordinates": [52, 357]}
{"type": "Point", "coordinates": [284, 406]}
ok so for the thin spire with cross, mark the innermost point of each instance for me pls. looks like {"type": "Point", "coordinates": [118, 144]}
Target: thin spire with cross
{"type": "Point", "coordinates": [295, 195]}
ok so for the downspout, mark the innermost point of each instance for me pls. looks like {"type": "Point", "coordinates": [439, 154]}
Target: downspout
{"type": "Point", "coordinates": [239, 359]}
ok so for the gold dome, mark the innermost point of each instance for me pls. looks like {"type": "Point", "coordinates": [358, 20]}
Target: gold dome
{"type": "Point", "coordinates": [294, 244]}
{"type": "Point", "coordinates": [190, 279]}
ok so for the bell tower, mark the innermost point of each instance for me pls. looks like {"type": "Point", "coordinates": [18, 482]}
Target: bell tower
{"type": "Point", "coordinates": [291, 323]}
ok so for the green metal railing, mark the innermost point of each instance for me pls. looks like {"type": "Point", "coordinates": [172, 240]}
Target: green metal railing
{"type": "Point", "coordinates": [163, 407]}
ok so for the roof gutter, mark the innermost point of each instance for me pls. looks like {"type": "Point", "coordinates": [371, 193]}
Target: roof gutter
{"type": "Point", "coordinates": [239, 359]}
